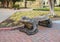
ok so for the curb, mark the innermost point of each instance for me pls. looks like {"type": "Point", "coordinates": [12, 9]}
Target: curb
{"type": "Point", "coordinates": [12, 28]}
{"type": "Point", "coordinates": [6, 28]}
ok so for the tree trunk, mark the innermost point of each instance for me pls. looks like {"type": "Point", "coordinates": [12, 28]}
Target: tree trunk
{"type": "Point", "coordinates": [10, 4]}
{"type": "Point", "coordinates": [51, 5]}
{"type": "Point", "coordinates": [7, 4]}
{"type": "Point", "coordinates": [4, 3]}
{"type": "Point", "coordinates": [25, 3]}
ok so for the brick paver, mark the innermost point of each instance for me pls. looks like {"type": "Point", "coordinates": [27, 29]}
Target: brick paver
{"type": "Point", "coordinates": [44, 35]}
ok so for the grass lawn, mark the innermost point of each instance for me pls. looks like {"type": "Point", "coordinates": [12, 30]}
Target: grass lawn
{"type": "Point", "coordinates": [17, 16]}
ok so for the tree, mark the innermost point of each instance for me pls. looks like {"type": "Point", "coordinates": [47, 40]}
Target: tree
{"type": "Point", "coordinates": [13, 2]}
{"type": "Point", "coordinates": [7, 3]}
{"type": "Point", "coordinates": [16, 1]}
{"type": "Point", "coordinates": [25, 2]}
{"type": "Point", "coordinates": [3, 3]}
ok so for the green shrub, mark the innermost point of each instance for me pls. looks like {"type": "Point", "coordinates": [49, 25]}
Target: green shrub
{"type": "Point", "coordinates": [42, 9]}
{"type": "Point", "coordinates": [47, 9]}
{"type": "Point", "coordinates": [57, 8]}
{"type": "Point", "coordinates": [16, 6]}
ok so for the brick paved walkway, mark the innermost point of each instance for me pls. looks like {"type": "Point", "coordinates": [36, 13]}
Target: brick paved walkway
{"type": "Point", "coordinates": [44, 35]}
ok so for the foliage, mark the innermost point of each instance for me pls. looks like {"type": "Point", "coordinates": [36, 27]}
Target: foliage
{"type": "Point", "coordinates": [42, 9]}
{"type": "Point", "coordinates": [47, 9]}
{"type": "Point", "coordinates": [30, 0]}
{"type": "Point", "coordinates": [16, 6]}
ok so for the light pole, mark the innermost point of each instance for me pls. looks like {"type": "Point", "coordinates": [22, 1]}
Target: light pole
{"type": "Point", "coordinates": [51, 6]}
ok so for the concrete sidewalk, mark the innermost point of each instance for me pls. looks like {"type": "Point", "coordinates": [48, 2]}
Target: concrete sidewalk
{"type": "Point", "coordinates": [5, 13]}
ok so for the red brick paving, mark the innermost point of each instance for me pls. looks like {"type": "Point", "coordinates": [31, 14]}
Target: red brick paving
{"type": "Point", "coordinates": [44, 35]}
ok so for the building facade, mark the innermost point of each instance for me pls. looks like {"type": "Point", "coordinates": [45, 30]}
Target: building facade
{"type": "Point", "coordinates": [57, 2]}
{"type": "Point", "coordinates": [41, 3]}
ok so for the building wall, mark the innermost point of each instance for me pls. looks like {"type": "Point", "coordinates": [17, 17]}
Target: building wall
{"type": "Point", "coordinates": [38, 3]}
{"type": "Point", "coordinates": [57, 2]}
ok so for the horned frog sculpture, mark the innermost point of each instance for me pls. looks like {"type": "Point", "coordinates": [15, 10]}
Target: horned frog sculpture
{"type": "Point", "coordinates": [31, 24]}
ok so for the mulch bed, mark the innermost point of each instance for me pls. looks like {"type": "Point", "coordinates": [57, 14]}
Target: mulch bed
{"type": "Point", "coordinates": [10, 23]}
